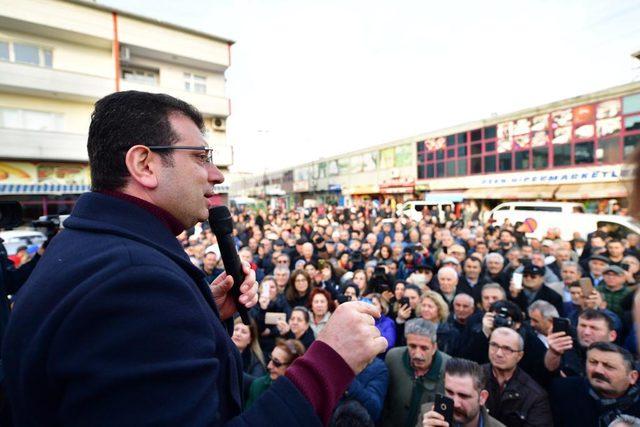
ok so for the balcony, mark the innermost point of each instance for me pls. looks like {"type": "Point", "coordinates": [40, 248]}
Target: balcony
{"type": "Point", "coordinates": [53, 83]}
{"type": "Point", "coordinates": [42, 145]}
{"type": "Point", "coordinates": [208, 105]}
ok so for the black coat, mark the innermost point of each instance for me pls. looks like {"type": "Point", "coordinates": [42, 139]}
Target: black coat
{"type": "Point", "coordinates": [545, 294]}
{"type": "Point", "coordinates": [521, 403]}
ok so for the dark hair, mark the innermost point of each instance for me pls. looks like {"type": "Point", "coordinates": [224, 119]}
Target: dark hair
{"type": "Point", "coordinates": [293, 348]}
{"type": "Point", "coordinates": [459, 367]}
{"type": "Point", "coordinates": [124, 119]}
{"type": "Point", "coordinates": [291, 293]}
{"type": "Point", "coordinates": [512, 309]}
{"type": "Point", "coordinates": [351, 413]}
{"type": "Point", "coordinates": [610, 347]}
{"type": "Point", "coordinates": [330, 305]}
{"type": "Point", "coordinates": [354, 286]}
{"type": "Point", "coordinates": [305, 312]}
{"type": "Point", "coordinates": [414, 287]}
{"type": "Point", "coordinates": [591, 314]}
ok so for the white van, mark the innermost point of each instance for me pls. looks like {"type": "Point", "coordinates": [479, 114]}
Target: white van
{"type": "Point", "coordinates": [413, 209]}
{"type": "Point", "coordinates": [538, 217]}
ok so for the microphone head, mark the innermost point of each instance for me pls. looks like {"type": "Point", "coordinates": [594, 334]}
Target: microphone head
{"type": "Point", "coordinates": [220, 220]}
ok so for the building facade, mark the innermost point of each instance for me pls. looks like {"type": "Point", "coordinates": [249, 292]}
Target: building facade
{"type": "Point", "coordinates": [573, 149]}
{"type": "Point", "coordinates": [58, 57]}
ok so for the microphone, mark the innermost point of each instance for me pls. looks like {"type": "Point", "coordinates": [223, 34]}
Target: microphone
{"type": "Point", "coordinates": [222, 226]}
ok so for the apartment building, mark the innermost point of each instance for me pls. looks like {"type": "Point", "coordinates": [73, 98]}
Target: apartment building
{"type": "Point", "coordinates": [57, 57]}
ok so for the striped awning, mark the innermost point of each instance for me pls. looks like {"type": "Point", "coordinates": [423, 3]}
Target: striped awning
{"type": "Point", "coordinates": [43, 189]}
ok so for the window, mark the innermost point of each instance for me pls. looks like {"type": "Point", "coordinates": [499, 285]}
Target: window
{"type": "Point", "coordinates": [430, 155]}
{"type": "Point", "coordinates": [4, 51]}
{"type": "Point", "coordinates": [31, 120]}
{"type": "Point", "coordinates": [462, 137]}
{"type": "Point", "coordinates": [476, 148]}
{"type": "Point", "coordinates": [631, 104]}
{"type": "Point", "coordinates": [561, 155]}
{"type": "Point", "coordinates": [476, 165]}
{"type": "Point", "coordinates": [420, 146]}
{"type": "Point", "coordinates": [630, 144]}
{"type": "Point", "coordinates": [440, 154]}
{"type": "Point", "coordinates": [421, 172]}
{"type": "Point", "coordinates": [490, 163]}
{"type": "Point", "coordinates": [420, 156]}
{"type": "Point", "coordinates": [584, 152]}
{"type": "Point", "coordinates": [451, 153]}
{"type": "Point", "coordinates": [430, 171]}
{"type": "Point", "coordinates": [504, 161]}
{"type": "Point", "coordinates": [632, 123]}
{"type": "Point", "coordinates": [540, 157]}
{"type": "Point", "coordinates": [462, 167]}
{"type": "Point", "coordinates": [195, 83]}
{"type": "Point", "coordinates": [489, 146]}
{"type": "Point", "coordinates": [138, 75]}
{"type": "Point", "coordinates": [522, 160]}
{"type": "Point", "coordinates": [440, 169]}
{"type": "Point", "coordinates": [451, 140]}
{"type": "Point", "coordinates": [609, 150]}
{"type": "Point", "coordinates": [476, 135]}
{"type": "Point", "coordinates": [451, 168]}
{"type": "Point", "coordinates": [25, 53]}
{"type": "Point", "coordinates": [462, 151]}
{"type": "Point", "coordinates": [489, 132]}
{"type": "Point", "coordinates": [538, 208]}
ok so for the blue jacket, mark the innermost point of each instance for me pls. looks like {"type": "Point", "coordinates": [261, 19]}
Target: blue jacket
{"type": "Point", "coordinates": [116, 327]}
{"type": "Point", "coordinates": [370, 388]}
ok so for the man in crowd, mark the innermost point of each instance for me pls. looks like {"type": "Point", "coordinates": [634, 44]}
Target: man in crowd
{"type": "Point", "coordinates": [281, 275]}
{"type": "Point", "coordinates": [133, 335]}
{"type": "Point", "coordinates": [570, 272]}
{"type": "Point", "coordinates": [210, 265]}
{"type": "Point", "coordinates": [495, 264]}
{"type": "Point", "coordinates": [416, 374]}
{"type": "Point", "coordinates": [566, 355]}
{"type": "Point", "coordinates": [448, 281]}
{"type": "Point", "coordinates": [534, 289]}
{"type": "Point", "coordinates": [515, 399]}
{"type": "Point", "coordinates": [609, 390]}
{"type": "Point", "coordinates": [472, 281]}
{"type": "Point", "coordinates": [541, 315]}
{"type": "Point", "coordinates": [464, 383]}
{"type": "Point", "coordinates": [597, 265]}
{"type": "Point", "coordinates": [614, 289]}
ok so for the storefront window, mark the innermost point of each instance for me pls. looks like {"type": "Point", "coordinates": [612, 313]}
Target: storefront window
{"type": "Point", "coordinates": [489, 132]}
{"type": "Point", "coordinates": [583, 153]}
{"type": "Point", "coordinates": [540, 158]}
{"type": "Point", "coordinates": [476, 165]}
{"type": "Point", "coordinates": [610, 150]}
{"type": "Point", "coordinates": [561, 155]}
{"type": "Point", "coordinates": [490, 163]}
{"type": "Point", "coordinates": [631, 104]}
{"type": "Point", "coordinates": [630, 144]}
{"type": "Point", "coordinates": [504, 161]}
{"type": "Point", "coordinates": [522, 160]}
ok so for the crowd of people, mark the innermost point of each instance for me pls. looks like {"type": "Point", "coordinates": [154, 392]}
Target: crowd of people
{"type": "Point", "coordinates": [462, 300]}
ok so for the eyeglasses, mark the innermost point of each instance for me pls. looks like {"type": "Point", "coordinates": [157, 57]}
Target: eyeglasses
{"type": "Point", "coordinates": [530, 275]}
{"type": "Point", "coordinates": [508, 351]}
{"type": "Point", "coordinates": [208, 150]}
{"type": "Point", "coordinates": [277, 363]}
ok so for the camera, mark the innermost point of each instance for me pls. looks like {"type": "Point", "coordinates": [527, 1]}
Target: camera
{"type": "Point", "coordinates": [502, 318]}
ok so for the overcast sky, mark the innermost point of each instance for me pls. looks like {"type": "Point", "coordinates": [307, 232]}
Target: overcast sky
{"type": "Point", "coordinates": [313, 79]}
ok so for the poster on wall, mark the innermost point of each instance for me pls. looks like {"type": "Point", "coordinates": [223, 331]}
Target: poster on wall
{"type": "Point", "coordinates": [584, 114]}
{"type": "Point", "coordinates": [539, 139]}
{"type": "Point", "coordinates": [403, 157]}
{"type": "Point", "coordinates": [505, 132]}
{"type": "Point", "coordinates": [540, 123]}
{"type": "Point", "coordinates": [562, 135]}
{"type": "Point", "coordinates": [608, 109]}
{"type": "Point", "coordinates": [562, 118]}
{"type": "Point", "coordinates": [370, 161]}
{"type": "Point", "coordinates": [44, 173]}
{"type": "Point", "coordinates": [585, 131]}
{"type": "Point", "coordinates": [607, 127]}
{"type": "Point", "coordinates": [522, 127]}
{"type": "Point", "coordinates": [387, 158]}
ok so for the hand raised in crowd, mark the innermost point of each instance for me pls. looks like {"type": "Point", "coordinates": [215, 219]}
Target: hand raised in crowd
{"type": "Point", "coordinates": [283, 327]}
{"type": "Point", "coordinates": [559, 342]}
{"type": "Point", "coordinates": [264, 302]}
{"type": "Point", "coordinates": [387, 295]}
{"type": "Point", "coordinates": [363, 342]}
{"type": "Point", "coordinates": [404, 312]}
{"type": "Point", "coordinates": [513, 290]}
{"type": "Point", "coordinates": [221, 286]}
{"type": "Point", "coordinates": [487, 322]}
{"type": "Point", "coordinates": [595, 301]}
{"type": "Point", "coordinates": [432, 418]}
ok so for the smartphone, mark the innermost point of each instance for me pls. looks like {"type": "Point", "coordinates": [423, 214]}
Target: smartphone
{"type": "Point", "coordinates": [587, 286]}
{"type": "Point", "coordinates": [271, 318]}
{"type": "Point", "coordinates": [517, 280]}
{"type": "Point", "coordinates": [561, 324]}
{"type": "Point", "coordinates": [264, 293]}
{"type": "Point", "coordinates": [404, 301]}
{"type": "Point", "coordinates": [444, 406]}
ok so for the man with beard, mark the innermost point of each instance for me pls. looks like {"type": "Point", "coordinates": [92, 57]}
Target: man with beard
{"type": "Point", "coordinates": [464, 383]}
{"type": "Point", "coordinates": [566, 355]}
{"type": "Point", "coordinates": [514, 397]}
{"type": "Point", "coordinates": [416, 374]}
{"type": "Point", "coordinates": [609, 390]}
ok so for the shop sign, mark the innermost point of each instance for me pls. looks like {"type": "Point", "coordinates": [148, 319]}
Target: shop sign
{"type": "Point", "coordinates": [45, 173]}
{"type": "Point", "coordinates": [599, 174]}
{"type": "Point", "coordinates": [300, 186]}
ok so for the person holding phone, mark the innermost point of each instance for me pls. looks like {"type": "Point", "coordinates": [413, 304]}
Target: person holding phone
{"type": "Point", "coordinates": [464, 387]}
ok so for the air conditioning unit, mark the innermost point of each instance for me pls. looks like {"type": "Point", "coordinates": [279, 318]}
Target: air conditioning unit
{"type": "Point", "coordinates": [219, 124]}
{"type": "Point", "coordinates": [125, 53]}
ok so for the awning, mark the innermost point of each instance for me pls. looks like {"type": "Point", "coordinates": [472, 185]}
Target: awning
{"type": "Point", "coordinates": [515, 193]}
{"type": "Point", "coordinates": [41, 189]}
{"type": "Point", "coordinates": [599, 190]}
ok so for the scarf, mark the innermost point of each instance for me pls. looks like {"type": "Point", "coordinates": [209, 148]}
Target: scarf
{"type": "Point", "coordinates": [610, 409]}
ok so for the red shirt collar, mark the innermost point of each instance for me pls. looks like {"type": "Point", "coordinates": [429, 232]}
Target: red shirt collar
{"type": "Point", "coordinates": [167, 219]}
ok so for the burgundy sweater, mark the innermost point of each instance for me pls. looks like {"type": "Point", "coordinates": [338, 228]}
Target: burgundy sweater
{"type": "Point", "coordinates": [321, 375]}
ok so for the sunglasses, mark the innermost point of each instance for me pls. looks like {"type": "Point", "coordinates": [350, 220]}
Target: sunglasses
{"type": "Point", "coordinates": [277, 363]}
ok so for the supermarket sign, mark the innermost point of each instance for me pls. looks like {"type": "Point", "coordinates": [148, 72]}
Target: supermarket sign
{"type": "Point", "coordinates": [563, 176]}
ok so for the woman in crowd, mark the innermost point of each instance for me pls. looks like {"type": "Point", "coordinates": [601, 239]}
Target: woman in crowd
{"type": "Point", "coordinates": [299, 288]}
{"type": "Point", "coordinates": [283, 355]}
{"type": "Point", "coordinates": [352, 292]}
{"type": "Point", "coordinates": [299, 326]}
{"type": "Point", "coordinates": [384, 253]}
{"type": "Point", "coordinates": [394, 302]}
{"type": "Point", "coordinates": [384, 324]}
{"type": "Point", "coordinates": [407, 311]}
{"type": "Point", "coordinates": [321, 305]}
{"type": "Point", "coordinates": [360, 279]}
{"type": "Point", "coordinates": [273, 303]}
{"type": "Point", "coordinates": [434, 308]}
{"type": "Point", "coordinates": [246, 340]}
{"type": "Point", "coordinates": [328, 279]}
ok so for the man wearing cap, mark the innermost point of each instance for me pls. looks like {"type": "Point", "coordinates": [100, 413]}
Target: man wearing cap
{"type": "Point", "coordinates": [534, 289]}
{"type": "Point", "coordinates": [407, 264]}
{"type": "Point", "coordinates": [614, 289]}
{"type": "Point", "coordinates": [597, 265]}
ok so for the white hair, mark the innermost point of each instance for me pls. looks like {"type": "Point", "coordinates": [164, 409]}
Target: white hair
{"type": "Point", "coordinates": [449, 270]}
{"type": "Point", "coordinates": [494, 256]}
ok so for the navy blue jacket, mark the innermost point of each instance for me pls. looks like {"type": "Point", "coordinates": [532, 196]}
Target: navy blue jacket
{"type": "Point", "coordinates": [116, 327]}
{"type": "Point", "coordinates": [370, 388]}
